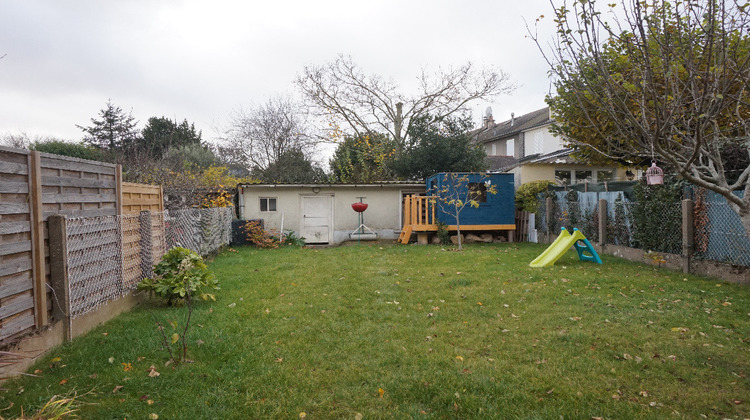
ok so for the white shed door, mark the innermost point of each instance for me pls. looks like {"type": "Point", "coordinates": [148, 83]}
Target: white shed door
{"type": "Point", "coordinates": [316, 218]}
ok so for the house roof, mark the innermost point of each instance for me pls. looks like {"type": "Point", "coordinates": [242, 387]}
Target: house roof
{"type": "Point", "coordinates": [556, 157]}
{"type": "Point", "coordinates": [500, 163]}
{"type": "Point", "coordinates": [512, 127]}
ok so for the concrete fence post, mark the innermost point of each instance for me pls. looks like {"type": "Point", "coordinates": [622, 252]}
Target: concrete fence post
{"type": "Point", "coordinates": [147, 255]}
{"type": "Point", "coordinates": [58, 264]}
{"type": "Point", "coordinates": [603, 214]}
{"type": "Point", "coordinates": [688, 235]}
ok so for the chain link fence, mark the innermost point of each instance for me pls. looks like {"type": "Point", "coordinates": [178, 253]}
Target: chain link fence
{"type": "Point", "coordinates": [719, 234]}
{"type": "Point", "coordinates": [652, 225]}
{"type": "Point", "coordinates": [108, 256]}
{"type": "Point", "coordinates": [201, 230]}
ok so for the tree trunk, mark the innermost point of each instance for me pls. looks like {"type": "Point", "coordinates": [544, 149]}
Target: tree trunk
{"type": "Point", "coordinates": [398, 124]}
{"type": "Point", "coordinates": [458, 232]}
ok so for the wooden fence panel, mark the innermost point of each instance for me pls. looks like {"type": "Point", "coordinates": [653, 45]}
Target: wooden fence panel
{"type": "Point", "coordinates": [34, 186]}
{"type": "Point", "coordinates": [77, 187]}
{"type": "Point", "coordinates": [522, 226]}
{"type": "Point", "coordinates": [141, 197]}
{"type": "Point", "coordinates": [16, 249]}
{"type": "Point", "coordinates": [131, 250]}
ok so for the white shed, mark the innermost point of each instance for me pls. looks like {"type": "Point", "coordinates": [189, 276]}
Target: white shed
{"type": "Point", "coordinates": [322, 213]}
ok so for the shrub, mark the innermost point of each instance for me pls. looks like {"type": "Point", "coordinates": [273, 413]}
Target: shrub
{"type": "Point", "coordinates": [443, 234]}
{"type": "Point", "coordinates": [259, 236]}
{"type": "Point", "coordinates": [290, 238]}
{"type": "Point", "coordinates": [527, 195]}
{"type": "Point", "coordinates": [181, 275]}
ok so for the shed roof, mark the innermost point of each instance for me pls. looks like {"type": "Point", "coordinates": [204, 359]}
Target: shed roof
{"type": "Point", "coordinates": [379, 184]}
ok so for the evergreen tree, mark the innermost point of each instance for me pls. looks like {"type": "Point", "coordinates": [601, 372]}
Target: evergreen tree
{"type": "Point", "coordinates": [114, 131]}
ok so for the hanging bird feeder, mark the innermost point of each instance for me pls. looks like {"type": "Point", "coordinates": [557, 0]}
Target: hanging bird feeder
{"type": "Point", "coordinates": [654, 175]}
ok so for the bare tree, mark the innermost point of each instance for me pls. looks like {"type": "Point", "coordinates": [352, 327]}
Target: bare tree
{"type": "Point", "coordinates": [261, 135]}
{"type": "Point", "coordinates": [18, 141]}
{"type": "Point", "coordinates": [370, 104]}
{"type": "Point", "coordinates": [658, 80]}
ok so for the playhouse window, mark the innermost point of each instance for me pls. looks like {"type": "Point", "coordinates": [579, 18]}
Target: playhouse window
{"type": "Point", "coordinates": [267, 204]}
{"type": "Point", "coordinates": [478, 192]}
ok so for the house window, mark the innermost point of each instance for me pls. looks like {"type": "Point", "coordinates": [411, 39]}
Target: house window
{"type": "Point", "coordinates": [604, 176]}
{"type": "Point", "coordinates": [583, 176]}
{"type": "Point", "coordinates": [563, 177]}
{"type": "Point", "coordinates": [494, 149]}
{"type": "Point", "coordinates": [267, 204]}
{"type": "Point", "coordinates": [510, 147]}
{"type": "Point", "coordinates": [478, 192]}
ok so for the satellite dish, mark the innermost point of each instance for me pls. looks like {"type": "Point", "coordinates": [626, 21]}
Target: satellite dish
{"type": "Point", "coordinates": [488, 112]}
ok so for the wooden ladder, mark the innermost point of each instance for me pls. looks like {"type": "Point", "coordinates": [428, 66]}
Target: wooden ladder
{"type": "Point", "coordinates": [405, 234]}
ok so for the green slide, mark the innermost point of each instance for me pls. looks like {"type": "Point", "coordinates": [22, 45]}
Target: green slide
{"type": "Point", "coordinates": [562, 244]}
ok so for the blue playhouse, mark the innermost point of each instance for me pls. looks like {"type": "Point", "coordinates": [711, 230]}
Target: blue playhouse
{"type": "Point", "coordinates": [495, 212]}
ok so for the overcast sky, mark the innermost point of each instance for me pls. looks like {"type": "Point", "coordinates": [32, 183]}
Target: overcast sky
{"type": "Point", "coordinates": [199, 60]}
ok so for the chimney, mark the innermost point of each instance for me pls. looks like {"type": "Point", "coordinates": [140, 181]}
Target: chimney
{"type": "Point", "coordinates": [512, 119]}
{"type": "Point", "coordinates": [488, 120]}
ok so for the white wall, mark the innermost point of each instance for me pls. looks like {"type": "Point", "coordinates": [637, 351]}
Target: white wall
{"type": "Point", "coordinates": [382, 216]}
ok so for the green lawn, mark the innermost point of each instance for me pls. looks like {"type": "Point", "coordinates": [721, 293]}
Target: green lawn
{"type": "Point", "coordinates": [389, 331]}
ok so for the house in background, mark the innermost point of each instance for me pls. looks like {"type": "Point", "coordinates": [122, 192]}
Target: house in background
{"type": "Point", "coordinates": [525, 147]}
{"type": "Point", "coordinates": [322, 213]}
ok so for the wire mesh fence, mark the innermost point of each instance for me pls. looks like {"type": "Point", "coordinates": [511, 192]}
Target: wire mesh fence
{"type": "Point", "coordinates": [201, 230]}
{"type": "Point", "coordinates": [652, 225]}
{"type": "Point", "coordinates": [719, 233]}
{"type": "Point", "coordinates": [108, 256]}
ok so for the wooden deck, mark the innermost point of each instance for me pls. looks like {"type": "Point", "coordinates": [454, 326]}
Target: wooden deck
{"type": "Point", "coordinates": [420, 218]}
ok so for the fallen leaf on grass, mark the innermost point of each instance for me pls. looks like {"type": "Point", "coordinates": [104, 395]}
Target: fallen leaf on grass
{"type": "Point", "coordinates": [38, 372]}
{"type": "Point", "coordinates": [381, 392]}
{"type": "Point", "coordinates": [152, 373]}
{"type": "Point", "coordinates": [279, 360]}
{"type": "Point", "coordinates": [153, 416]}
{"type": "Point", "coordinates": [643, 393]}
{"type": "Point", "coordinates": [117, 389]}
{"type": "Point", "coordinates": [460, 358]}
{"type": "Point", "coordinates": [175, 338]}
{"type": "Point", "coordinates": [302, 415]}
{"type": "Point", "coordinates": [680, 329]}
{"type": "Point", "coordinates": [111, 360]}
{"type": "Point", "coordinates": [200, 342]}
{"type": "Point", "coordinates": [575, 318]}
{"type": "Point", "coordinates": [127, 367]}
{"type": "Point", "coordinates": [63, 382]}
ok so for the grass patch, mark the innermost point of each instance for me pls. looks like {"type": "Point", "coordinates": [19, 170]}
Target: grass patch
{"type": "Point", "coordinates": [472, 334]}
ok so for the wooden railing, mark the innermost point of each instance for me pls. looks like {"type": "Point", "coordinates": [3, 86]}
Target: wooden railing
{"type": "Point", "coordinates": [420, 213]}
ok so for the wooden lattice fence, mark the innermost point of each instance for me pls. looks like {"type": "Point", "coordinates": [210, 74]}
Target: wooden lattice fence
{"type": "Point", "coordinates": [35, 186]}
